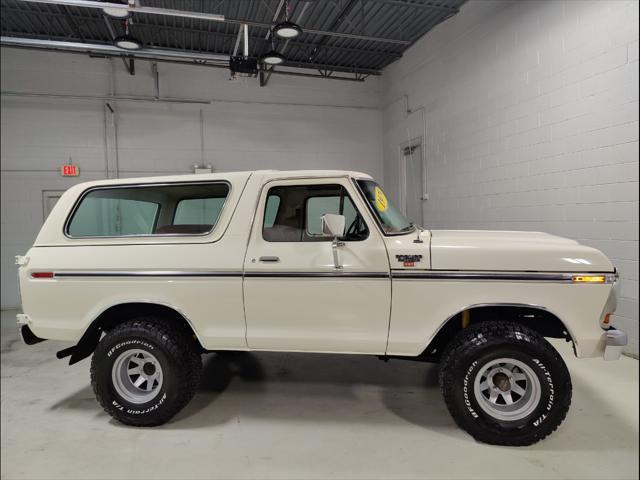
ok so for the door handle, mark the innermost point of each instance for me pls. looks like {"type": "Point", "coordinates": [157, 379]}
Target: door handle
{"type": "Point", "coordinates": [270, 259]}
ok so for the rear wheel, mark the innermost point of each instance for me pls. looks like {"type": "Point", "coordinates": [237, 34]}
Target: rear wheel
{"type": "Point", "coordinates": [145, 371]}
{"type": "Point", "coordinates": [505, 384]}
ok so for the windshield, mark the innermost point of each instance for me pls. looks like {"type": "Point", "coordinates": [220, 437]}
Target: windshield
{"type": "Point", "coordinates": [390, 218]}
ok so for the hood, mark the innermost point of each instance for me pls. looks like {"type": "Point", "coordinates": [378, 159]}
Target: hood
{"type": "Point", "coordinates": [512, 251]}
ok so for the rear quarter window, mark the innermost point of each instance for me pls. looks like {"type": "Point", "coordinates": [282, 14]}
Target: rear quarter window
{"type": "Point", "coordinates": [148, 210]}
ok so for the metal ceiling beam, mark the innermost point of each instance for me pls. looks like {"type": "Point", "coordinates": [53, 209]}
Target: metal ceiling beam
{"type": "Point", "coordinates": [98, 48]}
{"type": "Point", "coordinates": [141, 27]}
{"type": "Point", "coordinates": [259, 39]}
{"type": "Point", "coordinates": [211, 16]}
{"type": "Point", "coordinates": [336, 23]}
{"type": "Point", "coordinates": [336, 68]}
{"type": "Point", "coordinates": [423, 5]}
{"type": "Point", "coordinates": [238, 39]}
{"type": "Point", "coordinates": [163, 55]}
{"type": "Point", "coordinates": [276, 14]}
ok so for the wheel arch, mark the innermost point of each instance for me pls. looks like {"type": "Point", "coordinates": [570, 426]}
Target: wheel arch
{"type": "Point", "coordinates": [120, 312]}
{"type": "Point", "coordinates": [536, 317]}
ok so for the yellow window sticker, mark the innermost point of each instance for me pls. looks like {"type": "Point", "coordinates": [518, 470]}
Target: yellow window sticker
{"type": "Point", "coordinates": [381, 200]}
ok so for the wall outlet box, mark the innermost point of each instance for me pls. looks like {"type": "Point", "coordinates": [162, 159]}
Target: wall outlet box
{"type": "Point", "coordinates": [202, 169]}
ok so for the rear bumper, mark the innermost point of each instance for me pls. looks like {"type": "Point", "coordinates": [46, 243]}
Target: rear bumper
{"type": "Point", "coordinates": [614, 341]}
{"type": "Point", "coordinates": [27, 335]}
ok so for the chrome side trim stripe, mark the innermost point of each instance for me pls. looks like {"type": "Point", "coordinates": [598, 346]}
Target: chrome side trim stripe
{"type": "Point", "coordinates": [147, 273]}
{"type": "Point", "coordinates": [556, 277]}
{"type": "Point", "coordinates": [337, 274]}
{"type": "Point", "coordinates": [173, 273]}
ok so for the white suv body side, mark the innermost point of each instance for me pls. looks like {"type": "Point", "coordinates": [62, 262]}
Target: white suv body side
{"type": "Point", "coordinates": [218, 283]}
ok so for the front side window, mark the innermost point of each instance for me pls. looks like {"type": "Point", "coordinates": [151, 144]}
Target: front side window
{"type": "Point", "coordinates": [390, 218]}
{"type": "Point", "coordinates": [176, 209]}
{"type": "Point", "coordinates": [296, 215]}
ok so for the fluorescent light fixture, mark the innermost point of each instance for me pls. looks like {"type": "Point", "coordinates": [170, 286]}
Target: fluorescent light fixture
{"type": "Point", "coordinates": [287, 29]}
{"type": "Point", "coordinates": [127, 42]}
{"type": "Point", "coordinates": [272, 58]}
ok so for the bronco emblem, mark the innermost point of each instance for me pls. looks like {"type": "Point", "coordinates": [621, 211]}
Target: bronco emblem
{"type": "Point", "coordinates": [409, 260]}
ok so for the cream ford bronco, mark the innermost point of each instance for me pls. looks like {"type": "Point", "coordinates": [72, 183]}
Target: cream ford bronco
{"type": "Point", "coordinates": [147, 274]}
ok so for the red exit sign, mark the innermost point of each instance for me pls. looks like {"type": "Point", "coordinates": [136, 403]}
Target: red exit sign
{"type": "Point", "coordinates": [70, 170]}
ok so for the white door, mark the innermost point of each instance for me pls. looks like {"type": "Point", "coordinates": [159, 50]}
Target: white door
{"type": "Point", "coordinates": [411, 178]}
{"type": "Point", "coordinates": [295, 298]}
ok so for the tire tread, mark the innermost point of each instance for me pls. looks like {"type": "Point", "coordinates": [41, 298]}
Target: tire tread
{"type": "Point", "coordinates": [494, 329]}
{"type": "Point", "coordinates": [178, 345]}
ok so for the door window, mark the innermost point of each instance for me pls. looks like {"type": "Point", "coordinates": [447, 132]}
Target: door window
{"type": "Point", "coordinates": [297, 215]}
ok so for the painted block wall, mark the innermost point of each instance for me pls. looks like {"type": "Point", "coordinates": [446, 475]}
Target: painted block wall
{"type": "Point", "coordinates": [314, 124]}
{"type": "Point", "coordinates": [532, 124]}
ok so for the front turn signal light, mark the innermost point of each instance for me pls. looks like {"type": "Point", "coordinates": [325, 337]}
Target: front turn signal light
{"type": "Point", "coordinates": [607, 319]}
{"type": "Point", "coordinates": [589, 279]}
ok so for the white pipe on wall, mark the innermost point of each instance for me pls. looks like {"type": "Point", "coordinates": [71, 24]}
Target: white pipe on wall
{"type": "Point", "coordinates": [140, 98]}
{"type": "Point", "coordinates": [135, 8]}
{"type": "Point", "coordinates": [409, 111]}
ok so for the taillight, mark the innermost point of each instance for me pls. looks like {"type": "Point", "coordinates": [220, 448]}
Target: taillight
{"type": "Point", "coordinates": [41, 274]}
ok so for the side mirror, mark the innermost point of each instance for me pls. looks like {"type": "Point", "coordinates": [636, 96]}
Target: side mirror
{"type": "Point", "coordinates": [333, 225]}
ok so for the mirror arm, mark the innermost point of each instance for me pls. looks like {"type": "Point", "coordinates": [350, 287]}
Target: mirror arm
{"type": "Point", "coordinates": [334, 247]}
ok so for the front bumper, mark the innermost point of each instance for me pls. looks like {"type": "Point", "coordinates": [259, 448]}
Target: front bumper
{"type": "Point", "coordinates": [615, 341]}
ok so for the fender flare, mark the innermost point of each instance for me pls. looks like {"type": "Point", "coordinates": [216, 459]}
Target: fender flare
{"type": "Point", "coordinates": [91, 336]}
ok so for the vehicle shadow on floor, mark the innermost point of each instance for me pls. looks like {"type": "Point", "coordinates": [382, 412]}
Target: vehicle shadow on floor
{"type": "Point", "coordinates": [314, 387]}
{"type": "Point", "coordinates": [320, 388]}
{"type": "Point", "coordinates": [348, 389]}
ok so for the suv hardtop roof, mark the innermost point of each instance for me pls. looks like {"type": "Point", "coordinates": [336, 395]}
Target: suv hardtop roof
{"type": "Point", "coordinates": [266, 175]}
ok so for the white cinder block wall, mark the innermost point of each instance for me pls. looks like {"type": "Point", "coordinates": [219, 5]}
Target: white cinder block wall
{"type": "Point", "coordinates": [532, 124]}
{"type": "Point", "coordinates": [39, 134]}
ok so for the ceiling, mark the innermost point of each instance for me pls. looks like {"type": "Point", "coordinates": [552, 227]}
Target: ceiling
{"type": "Point", "coordinates": [353, 37]}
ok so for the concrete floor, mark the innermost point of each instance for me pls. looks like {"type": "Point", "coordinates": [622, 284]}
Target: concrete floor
{"type": "Point", "coordinates": [300, 416]}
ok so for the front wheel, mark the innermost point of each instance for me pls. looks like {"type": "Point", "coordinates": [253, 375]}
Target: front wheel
{"type": "Point", "coordinates": [505, 384]}
{"type": "Point", "coordinates": [145, 371]}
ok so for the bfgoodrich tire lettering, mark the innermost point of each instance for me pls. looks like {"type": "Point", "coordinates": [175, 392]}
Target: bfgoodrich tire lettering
{"type": "Point", "coordinates": [505, 384]}
{"type": "Point", "coordinates": [173, 371]}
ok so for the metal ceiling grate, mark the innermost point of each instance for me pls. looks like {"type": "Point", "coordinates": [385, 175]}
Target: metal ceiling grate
{"type": "Point", "coordinates": [359, 37]}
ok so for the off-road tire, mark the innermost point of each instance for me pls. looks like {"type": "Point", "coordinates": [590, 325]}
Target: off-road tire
{"type": "Point", "coordinates": [176, 353]}
{"type": "Point", "coordinates": [478, 345]}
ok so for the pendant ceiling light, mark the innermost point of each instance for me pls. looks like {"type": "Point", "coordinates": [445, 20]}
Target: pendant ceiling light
{"type": "Point", "coordinates": [272, 58]}
{"type": "Point", "coordinates": [287, 29]}
{"type": "Point", "coordinates": [126, 41]}
{"type": "Point", "coordinates": [115, 12]}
